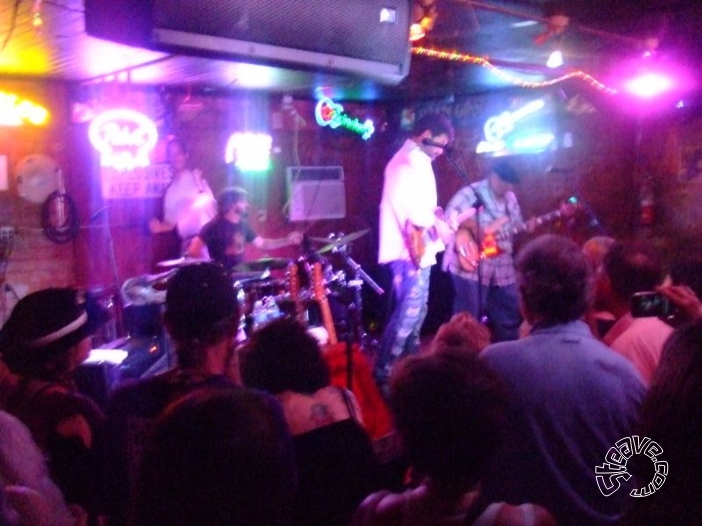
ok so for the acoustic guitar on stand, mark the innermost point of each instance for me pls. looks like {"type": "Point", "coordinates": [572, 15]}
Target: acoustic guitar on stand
{"type": "Point", "coordinates": [418, 239]}
{"type": "Point", "coordinates": [467, 250]}
{"type": "Point", "coordinates": [320, 294]}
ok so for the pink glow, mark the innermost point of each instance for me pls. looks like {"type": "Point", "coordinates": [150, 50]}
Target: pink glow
{"type": "Point", "coordinates": [649, 85]}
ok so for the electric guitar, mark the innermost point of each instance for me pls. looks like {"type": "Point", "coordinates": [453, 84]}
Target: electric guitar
{"type": "Point", "coordinates": [418, 239]}
{"type": "Point", "coordinates": [293, 276]}
{"type": "Point", "coordinates": [467, 250]}
{"type": "Point", "coordinates": [320, 294]}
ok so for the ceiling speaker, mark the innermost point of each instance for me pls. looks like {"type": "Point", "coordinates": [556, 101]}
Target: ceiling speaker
{"type": "Point", "coordinates": [364, 37]}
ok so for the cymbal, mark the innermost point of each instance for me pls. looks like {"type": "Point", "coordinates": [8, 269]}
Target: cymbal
{"type": "Point", "coordinates": [262, 264]}
{"type": "Point", "coordinates": [181, 262]}
{"type": "Point", "coordinates": [250, 276]}
{"type": "Point", "coordinates": [340, 241]}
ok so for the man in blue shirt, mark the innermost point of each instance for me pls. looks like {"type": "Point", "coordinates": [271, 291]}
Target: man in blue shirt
{"type": "Point", "coordinates": [570, 397]}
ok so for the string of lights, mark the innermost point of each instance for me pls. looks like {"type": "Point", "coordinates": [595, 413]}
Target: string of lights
{"type": "Point", "coordinates": [508, 77]}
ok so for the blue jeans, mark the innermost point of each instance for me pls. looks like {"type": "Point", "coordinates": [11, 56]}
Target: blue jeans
{"type": "Point", "coordinates": [500, 304]}
{"type": "Point", "coordinates": [401, 335]}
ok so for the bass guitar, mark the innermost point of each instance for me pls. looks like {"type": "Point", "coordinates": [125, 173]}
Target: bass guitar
{"type": "Point", "coordinates": [470, 254]}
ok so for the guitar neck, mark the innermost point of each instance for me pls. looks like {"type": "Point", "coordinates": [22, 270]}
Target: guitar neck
{"type": "Point", "coordinates": [538, 221]}
{"type": "Point", "coordinates": [321, 297]}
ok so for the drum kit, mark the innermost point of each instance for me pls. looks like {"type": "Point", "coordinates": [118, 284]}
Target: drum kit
{"type": "Point", "coordinates": [264, 289]}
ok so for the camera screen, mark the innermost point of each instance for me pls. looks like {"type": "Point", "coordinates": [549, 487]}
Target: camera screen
{"type": "Point", "coordinates": [647, 304]}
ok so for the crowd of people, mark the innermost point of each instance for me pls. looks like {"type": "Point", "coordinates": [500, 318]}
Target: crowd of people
{"type": "Point", "coordinates": [516, 419]}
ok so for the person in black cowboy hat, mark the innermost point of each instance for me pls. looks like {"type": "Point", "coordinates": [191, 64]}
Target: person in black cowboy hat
{"type": "Point", "coordinates": [46, 337]}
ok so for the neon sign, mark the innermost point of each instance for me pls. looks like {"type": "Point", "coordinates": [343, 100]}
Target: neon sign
{"type": "Point", "coordinates": [329, 113]}
{"type": "Point", "coordinates": [497, 128]}
{"type": "Point", "coordinates": [250, 152]}
{"type": "Point", "coordinates": [124, 138]}
{"type": "Point", "coordinates": [15, 111]}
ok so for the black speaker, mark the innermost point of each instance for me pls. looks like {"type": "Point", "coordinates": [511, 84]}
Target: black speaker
{"type": "Point", "coordinates": [364, 37]}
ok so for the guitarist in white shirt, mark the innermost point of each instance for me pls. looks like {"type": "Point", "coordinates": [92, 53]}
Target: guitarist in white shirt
{"type": "Point", "coordinates": [411, 234]}
{"type": "Point", "coordinates": [487, 270]}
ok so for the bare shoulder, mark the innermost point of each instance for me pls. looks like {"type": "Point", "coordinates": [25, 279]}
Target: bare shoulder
{"type": "Point", "coordinates": [514, 516]}
{"type": "Point", "coordinates": [379, 509]}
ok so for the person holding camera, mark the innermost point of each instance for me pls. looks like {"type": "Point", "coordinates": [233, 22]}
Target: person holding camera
{"type": "Point", "coordinates": [628, 269]}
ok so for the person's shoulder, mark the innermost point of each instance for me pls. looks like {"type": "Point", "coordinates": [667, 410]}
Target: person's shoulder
{"type": "Point", "coordinates": [509, 515]}
{"type": "Point", "coordinates": [383, 508]}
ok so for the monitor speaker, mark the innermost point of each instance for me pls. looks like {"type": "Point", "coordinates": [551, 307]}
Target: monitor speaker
{"type": "Point", "coordinates": [364, 37]}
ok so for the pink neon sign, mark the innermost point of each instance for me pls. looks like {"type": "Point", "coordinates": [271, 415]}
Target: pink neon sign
{"type": "Point", "coordinates": [124, 138]}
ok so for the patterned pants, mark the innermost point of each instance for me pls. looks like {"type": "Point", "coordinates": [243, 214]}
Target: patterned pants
{"type": "Point", "coordinates": [401, 336]}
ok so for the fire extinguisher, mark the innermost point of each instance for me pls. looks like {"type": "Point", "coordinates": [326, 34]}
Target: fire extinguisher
{"type": "Point", "coordinates": [647, 203]}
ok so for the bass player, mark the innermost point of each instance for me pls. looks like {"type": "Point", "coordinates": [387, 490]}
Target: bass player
{"type": "Point", "coordinates": [410, 235]}
{"type": "Point", "coordinates": [482, 271]}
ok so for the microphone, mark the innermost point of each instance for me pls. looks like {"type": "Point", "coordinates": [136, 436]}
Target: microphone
{"type": "Point", "coordinates": [445, 147]}
{"type": "Point", "coordinates": [478, 202]}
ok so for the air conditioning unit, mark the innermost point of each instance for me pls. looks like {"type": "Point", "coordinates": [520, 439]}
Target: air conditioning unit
{"type": "Point", "coordinates": [316, 192]}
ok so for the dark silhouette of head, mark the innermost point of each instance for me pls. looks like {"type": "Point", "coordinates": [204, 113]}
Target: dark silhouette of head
{"type": "Point", "coordinates": [634, 266]}
{"type": "Point", "coordinates": [449, 413]}
{"type": "Point", "coordinates": [218, 457]}
{"type": "Point", "coordinates": [201, 310]}
{"type": "Point", "coordinates": [282, 356]}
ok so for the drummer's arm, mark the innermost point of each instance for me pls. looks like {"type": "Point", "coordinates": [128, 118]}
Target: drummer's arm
{"type": "Point", "coordinates": [196, 248]}
{"type": "Point", "coordinates": [265, 243]}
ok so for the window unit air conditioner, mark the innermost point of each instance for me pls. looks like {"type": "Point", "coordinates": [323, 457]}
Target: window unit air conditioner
{"type": "Point", "coordinates": [316, 192]}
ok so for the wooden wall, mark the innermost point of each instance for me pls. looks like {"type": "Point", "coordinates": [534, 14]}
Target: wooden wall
{"type": "Point", "coordinates": [612, 151]}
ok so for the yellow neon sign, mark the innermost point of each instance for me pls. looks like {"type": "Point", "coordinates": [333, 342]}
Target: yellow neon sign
{"type": "Point", "coordinates": [15, 111]}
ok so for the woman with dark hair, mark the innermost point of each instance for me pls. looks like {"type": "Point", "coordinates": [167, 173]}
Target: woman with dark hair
{"type": "Point", "coordinates": [220, 457]}
{"type": "Point", "coordinates": [672, 417]}
{"type": "Point", "coordinates": [449, 411]}
{"type": "Point", "coordinates": [46, 337]}
{"type": "Point", "coordinates": [335, 459]}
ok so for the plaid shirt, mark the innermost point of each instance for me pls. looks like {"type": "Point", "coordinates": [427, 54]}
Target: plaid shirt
{"type": "Point", "coordinates": [497, 270]}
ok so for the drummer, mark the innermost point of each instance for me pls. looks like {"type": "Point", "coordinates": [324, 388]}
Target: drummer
{"type": "Point", "coordinates": [225, 236]}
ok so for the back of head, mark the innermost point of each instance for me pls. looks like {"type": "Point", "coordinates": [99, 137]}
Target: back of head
{"type": "Point", "coordinates": [449, 412]}
{"type": "Point", "coordinates": [462, 334]}
{"type": "Point", "coordinates": [218, 457]}
{"type": "Point", "coordinates": [595, 249]}
{"type": "Point", "coordinates": [201, 309]}
{"type": "Point", "coordinates": [43, 328]}
{"type": "Point", "coordinates": [633, 266]}
{"type": "Point", "coordinates": [554, 279]}
{"type": "Point", "coordinates": [228, 197]}
{"type": "Point", "coordinates": [436, 123]}
{"type": "Point", "coordinates": [283, 356]}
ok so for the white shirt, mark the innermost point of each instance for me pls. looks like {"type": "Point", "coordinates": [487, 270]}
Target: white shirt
{"type": "Point", "coordinates": [189, 203]}
{"type": "Point", "coordinates": [409, 195]}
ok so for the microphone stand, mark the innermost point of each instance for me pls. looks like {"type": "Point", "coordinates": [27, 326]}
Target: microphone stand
{"type": "Point", "coordinates": [478, 204]}
{"type": "Point", "coordinates": [356, 310]}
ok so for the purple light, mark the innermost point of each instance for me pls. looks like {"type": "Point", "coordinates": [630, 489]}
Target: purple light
{"type": "Point", "coordinates": [649, 85]}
